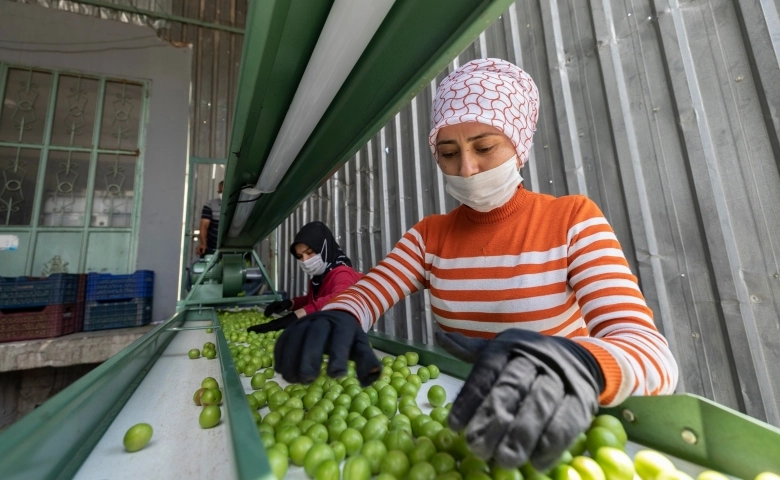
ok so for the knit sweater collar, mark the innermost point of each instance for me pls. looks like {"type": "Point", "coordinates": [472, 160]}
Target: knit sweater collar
{"type": "Point", "coordinates": [497, 214]}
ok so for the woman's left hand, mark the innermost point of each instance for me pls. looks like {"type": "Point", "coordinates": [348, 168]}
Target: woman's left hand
{"type": "Point", "coordinates": [528, 395]}
{"type": "Point", "coordinates": [273, 325]}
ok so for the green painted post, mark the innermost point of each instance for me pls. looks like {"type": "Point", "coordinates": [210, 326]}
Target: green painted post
{"type": "Point", "coordinates": [143, 118]}
{"type": "Point", "coordinates": [93, 158]}
{"type": "Point", "coordinates": [185, 243]}
{"type": "Point", "coordinates": [42, 162]}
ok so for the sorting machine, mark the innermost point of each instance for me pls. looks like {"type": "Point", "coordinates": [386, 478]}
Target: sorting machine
{"type": "Point", "coordinates": [317, 80]}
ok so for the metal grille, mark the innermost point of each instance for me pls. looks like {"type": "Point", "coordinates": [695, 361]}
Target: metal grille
{"type": "Point", "coordinates": [69, 153]}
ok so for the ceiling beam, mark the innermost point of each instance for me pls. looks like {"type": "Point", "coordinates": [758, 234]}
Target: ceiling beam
{"type": "Point", "coordinates": [160, 15]}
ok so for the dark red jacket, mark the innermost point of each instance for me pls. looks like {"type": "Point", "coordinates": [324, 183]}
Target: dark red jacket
{"type": "Point", "coordinates": [335, 282]}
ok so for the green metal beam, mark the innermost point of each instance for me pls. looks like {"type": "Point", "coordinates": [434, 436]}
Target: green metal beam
{"type": "Point", "coordinates": [281, 34]}
{"type": "Point", "coordinates": [251, 460]}
{"type": "Point", "coordinates": [161, 15]}
{"type": "Point", "coordinates": [415, 42]}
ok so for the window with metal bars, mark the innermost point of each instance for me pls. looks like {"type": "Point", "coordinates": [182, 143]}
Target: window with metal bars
{"type": "Point", "coordinates": [69, 149]}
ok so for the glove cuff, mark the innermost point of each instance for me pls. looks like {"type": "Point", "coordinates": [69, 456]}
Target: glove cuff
{"type": "Point", "coordinates": [587, 359]}
{"type": "Point", "coordinates": [613, 375]}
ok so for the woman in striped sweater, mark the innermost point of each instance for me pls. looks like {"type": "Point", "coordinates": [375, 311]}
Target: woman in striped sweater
{"type": "Point", "coordinates": [535, 290]}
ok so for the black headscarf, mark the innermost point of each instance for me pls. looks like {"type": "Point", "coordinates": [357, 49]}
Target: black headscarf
{"type": "Point", "coordinates": [315, 235]}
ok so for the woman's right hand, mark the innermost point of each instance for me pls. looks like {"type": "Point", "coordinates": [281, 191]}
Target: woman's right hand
{"type": "Point", "coordinates": [278, 307]}
{"type": "Point", "coordinates": [299, 350]}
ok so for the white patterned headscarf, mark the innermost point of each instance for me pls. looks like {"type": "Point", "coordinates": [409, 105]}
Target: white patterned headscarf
{"type": "Point", "coordinates": [490, 91]}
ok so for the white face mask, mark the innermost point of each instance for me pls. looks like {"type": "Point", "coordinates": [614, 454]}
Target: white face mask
{"type": "Point", "coordinates": [315, 265]}
{"type": "Point", "coordinates": [486, 190]}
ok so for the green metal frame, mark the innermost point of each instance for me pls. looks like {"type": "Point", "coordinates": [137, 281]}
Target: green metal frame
{"type": "Point", "coordinates": [415, 42]}
{"type": "Point", "coordinates": [281, 35]}
{"type": "Point", "coordinates": [161, 15]}
{"type": "Point", "coordinates": [186, 243]}
{"type": "Point", "coordinates": [45, 147]}
{"type": "Point", "coordinates": [685, 426]}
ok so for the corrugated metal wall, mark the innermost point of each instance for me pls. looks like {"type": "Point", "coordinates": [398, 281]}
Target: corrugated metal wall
{"type": "Point", "coordinates": [663, 112]}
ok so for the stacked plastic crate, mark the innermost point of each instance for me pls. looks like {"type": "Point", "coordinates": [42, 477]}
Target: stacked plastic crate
{"type": "Point", "coordinates": [118, 301]}
{"type": "Point", "coordinates": [32, 307]}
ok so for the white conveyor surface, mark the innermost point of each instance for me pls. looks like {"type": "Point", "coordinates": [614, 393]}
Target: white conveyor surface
{"type": "Point", "coordinates": [179, 447]}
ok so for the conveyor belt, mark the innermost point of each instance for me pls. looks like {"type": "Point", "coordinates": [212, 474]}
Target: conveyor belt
{"type": "Point", "coordinates": [179, 447]}
{"type": "Point", "coordinates": [79, 432]}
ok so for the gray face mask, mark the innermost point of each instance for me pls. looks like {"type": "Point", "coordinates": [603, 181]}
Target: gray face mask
{"type": "Point", "coordinates": [315, 265]}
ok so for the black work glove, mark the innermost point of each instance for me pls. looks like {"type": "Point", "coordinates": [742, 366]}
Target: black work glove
{"type": "Point", "coordinates": [274, 325]}
{"type": "Point", "coordinates": [277, 307]}
{"type": "Point", "coordinates": [299, 350]}
{"type": "Point", "coordinates": [528, 395]}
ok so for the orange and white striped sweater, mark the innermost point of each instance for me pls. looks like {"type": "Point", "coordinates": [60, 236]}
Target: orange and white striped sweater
{"type": "Point", "coordinates": [551, 265]}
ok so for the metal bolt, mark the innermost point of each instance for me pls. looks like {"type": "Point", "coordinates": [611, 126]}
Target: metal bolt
{"type": "Point", "coordinates": [777, 275]}
{"type": "Point", "coordinates": [581, 135]}
{"type": "Point", "coordinates": [740, 78]}
{"type": "Point", "coordinates": [682, 275]}
{"type": "Point", "coordinates": [387, 149]}
{"type": "Point", "coordinates": [550, 182]}
{"type": "Point", "coordinates": [650, 18]}
{"type": "Point", "coordinates": [527, 25]}
{"type": "Point", "coordinates": [755, 299]}
{"type": "Point", "coordinates": [545, 146]}
{"type": "Point", "coordinates": [656, 109]}
{"type": "Point", "coordinates": [689, 436]}
{"type": "Point", "coordinates": [628, 415]}
{"type": "Point", "coordinates": [695, 335]}
{"type": "Point", "coordinates": [629, 14]}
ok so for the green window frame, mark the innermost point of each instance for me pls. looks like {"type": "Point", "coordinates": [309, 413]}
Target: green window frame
{"type": "Point", "coordinates": [89, 171]}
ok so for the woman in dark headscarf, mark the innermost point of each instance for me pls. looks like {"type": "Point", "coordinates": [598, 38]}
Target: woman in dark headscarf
{"type": "Point", "coordinates": [331, 272]}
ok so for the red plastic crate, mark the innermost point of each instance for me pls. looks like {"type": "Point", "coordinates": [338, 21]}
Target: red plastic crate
{"type": "Point", "coordinates": [40, 322]}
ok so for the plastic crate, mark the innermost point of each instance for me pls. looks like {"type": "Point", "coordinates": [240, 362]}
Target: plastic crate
{"type": "Point", "coordinates": [30, 292]}
{"type": "Point", "coordinates": [104, 286]}
{"type": "Point", "coordinates": [117, 314]}
{"type": "Point", "coordinates": [38, 322]}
